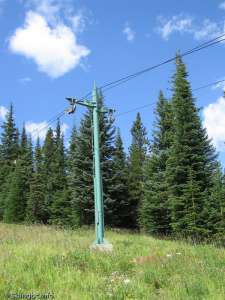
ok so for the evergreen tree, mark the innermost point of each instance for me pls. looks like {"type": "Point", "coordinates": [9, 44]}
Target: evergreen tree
{"type": "Point", "coordinates": [107, 150]}
{"type": "Point", "coordinates": [214, 211]}
{"type": "Point", "coordinates": [121, 209]}
{"type": "Point", "coordinates": [191, 150]}
{"type": "Point", "coordinates": [35, 212]}
{"type": "Point", "coordinates": [9, 151]}
{"type": "Point", "coordinates": [137, 155]}
{"type": "Point", "coordinates": [26, 157]}
{"type": "Point", "coordinates": [15, 204]}
{"type": "Point", "coordinates": [72, 166]}
{"type": "Point", "coordinates": [48, 152]}
{"type": "Point", "coordinates": [82, 177]}
{"type": "Point", "coordinates": [60, 206]}
{"type": "Point", "coordinates": [81, 173]}
{"type": "Point", "coordinates": [19, 184]}
{"type": "Point", "coordinates": [155, 214]}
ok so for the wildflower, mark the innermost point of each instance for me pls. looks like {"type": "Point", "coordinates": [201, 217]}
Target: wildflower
{"type": "Point", "coordinates": [126, 281]}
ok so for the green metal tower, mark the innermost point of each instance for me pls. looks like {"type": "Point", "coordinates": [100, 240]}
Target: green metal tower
{"type": "Point", "coordinates": [100, 241]}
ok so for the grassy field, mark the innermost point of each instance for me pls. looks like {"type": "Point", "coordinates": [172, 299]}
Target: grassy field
{"type": "Point", "coordinates": [49, 262]}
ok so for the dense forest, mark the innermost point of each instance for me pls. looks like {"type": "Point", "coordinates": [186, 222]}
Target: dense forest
{"type": "Point", "coordinates": [171, 184]}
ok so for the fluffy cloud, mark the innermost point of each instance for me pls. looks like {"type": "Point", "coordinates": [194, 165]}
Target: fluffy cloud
{"type": "Point", "coordinates": [40, 129]}
{"type": "Point", "coordinates": [1, 5]}
{"type": "Point", "coordinates": [37, 129]}
{"type": "Point", "coordinates": [175, 24]}
{"type": "Point", "coordinates": [220, 85]}
{"type": "Point", "coordinates": [25, 80]}
{"type": "Point", "coordinates": [129, 33]}
{"type": "Point", "coordinates": [222, 5]}
{"type": "Point", "coordinates": [183, 24]}
{"type": "Point", "coordinates": [64, 128]}
{"type": "Point", "coordinates": [214, 122]}
{"type": "Point", "coordinates": [207, 29]}
{"type": "Point", "coordinates": [3, 112]}
{"type": "Point", "coordinates": [48, 41]}
{"type": "Point", "coordinates": [47, 8]}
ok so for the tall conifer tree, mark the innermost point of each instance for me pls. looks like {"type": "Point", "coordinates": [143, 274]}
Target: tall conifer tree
{"type": "Point", "coordinates": [136, 160]}
{"type": "Point", "coordinates": [19, 185]}
{"type": "Point", "coordinates": [9, 153]}
{"type": "Point", "coordinates": [155, 213]}
{"type": "Point", "coordinates": [35, 212]}
{"type": "Point", "coordinates": [48, 152]}
{"type": "Point", "coordinates": [121, 209]}
{"type": "Point", "coordinates": [214, 211]}
{"type": "Point", "coordinates": [191, 159]}
{"type": "Point", "coordinates": [82, 177]}
{"type": "Point", "coordinates": [60, 206]}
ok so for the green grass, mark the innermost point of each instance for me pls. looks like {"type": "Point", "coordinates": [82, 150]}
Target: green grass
{"type": "Point", "coordinates": [39, 259]}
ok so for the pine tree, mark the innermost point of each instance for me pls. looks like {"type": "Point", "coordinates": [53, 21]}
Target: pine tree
{"type": "Point", "coordinates": [137, 155]}
{"type": "Point", "coordinates": [26, 157]}
{"type": "Point", "coordinates": [48, 152]}
{"type": "Point", "coordinates": [107, 150]}
{"type": "Point", "coordinates": [15, 204]}
{"type": "Point", "coordinates": [9, 153]}
{"type": "Point", "coordinates": [81, 174]}
{"type": "Point", "coordinates": [35, 212]}
{"type": "Point", "coordinates": [19, 185]}
{"type": "Point", "coordinates": [155, 214]}
{"type": "Point", "coordinates": [82, 177]}
{"type": "Point", "coordinates": [72, 178]}
{"type": "Point", "coordinates": [192, 197]}
{"type": "Point", "coordinates": [191, 150]}
{"type": "Point", "coordinates": [121, 209]}
{"type": "Point", "coordinates": [60, 206]}
{"type": "Point", "coordinates": [214, 211]}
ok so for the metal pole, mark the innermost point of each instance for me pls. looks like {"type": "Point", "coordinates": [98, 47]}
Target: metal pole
{"type": "Point", "coordinates": [98, 193]}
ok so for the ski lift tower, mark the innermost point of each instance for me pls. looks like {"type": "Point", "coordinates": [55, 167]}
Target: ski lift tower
{"type": "Point", "coordinates": [100, 242]}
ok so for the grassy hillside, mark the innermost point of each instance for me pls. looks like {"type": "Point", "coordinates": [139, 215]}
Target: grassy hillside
{"type": "Point", "coordinates": [43, 260]}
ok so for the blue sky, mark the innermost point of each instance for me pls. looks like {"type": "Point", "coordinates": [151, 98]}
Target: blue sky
{"type": "Point", "coordinates": [50, 49]}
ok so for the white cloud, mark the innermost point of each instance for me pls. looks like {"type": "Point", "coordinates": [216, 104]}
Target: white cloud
{"type": "Point", "coordinates": [177, 23]}
{"type": "Point", "coordinates": [1, 5]}
{"type": "Point", "coordinates": [37, 129]}
{"type": "Point", "coordinates": [214, 122]}
{"type": "Point", "coordinates": [48, 41]}
{"type": "Point", "coordinates": [220, 85]}
{"type": "Point", "coordinates": [40, 129]}
{"type": "Point", "coordinates": [3, 112]}
{"type": "Point", "coordinates": [77, 22]}
{"type": "Point", "coordinates": [46, 8]}
{"type": "Point", "coordinates": [208, 29]}
{"type": "Point", "coordinates": [64, 128]}
{"type": "Point", "coordinates": [183, 24]}
{"type": "Point", "coordinates": [129, 33]}
{"type": "Point", "coordinates": [222, 5]}
{"type": "Point", "coordinates": [25, 80]}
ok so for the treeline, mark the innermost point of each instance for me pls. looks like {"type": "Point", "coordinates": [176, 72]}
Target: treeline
{"type": "Point", "coordinates": [171, 185]}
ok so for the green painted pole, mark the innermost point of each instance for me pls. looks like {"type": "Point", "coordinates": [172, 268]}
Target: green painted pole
{"type": "Point", "coordinates": [98, 193]}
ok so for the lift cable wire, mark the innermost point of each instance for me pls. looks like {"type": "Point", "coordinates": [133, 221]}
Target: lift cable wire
{"type": "Point", "coordinates": [38, 130]}
{"type": "Point", "coordinates": [123, 80]}
{"type": "Point", "coordinates": [59, 116]}
{"type": "Point", "coordinates": [127, 112]}
{"type": "Point", "coordinates": [153, 103]}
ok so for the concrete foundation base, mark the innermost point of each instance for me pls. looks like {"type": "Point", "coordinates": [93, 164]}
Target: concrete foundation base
{"type": "Point", "coordinates": [105, 247]}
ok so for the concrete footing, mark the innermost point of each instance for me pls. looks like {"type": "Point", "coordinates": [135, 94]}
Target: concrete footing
{"type": "Point", "coordinates": [105, 247]}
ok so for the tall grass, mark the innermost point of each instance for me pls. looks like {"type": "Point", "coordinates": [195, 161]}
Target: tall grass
{"type": "Point", "coordinates": [41, 260]}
